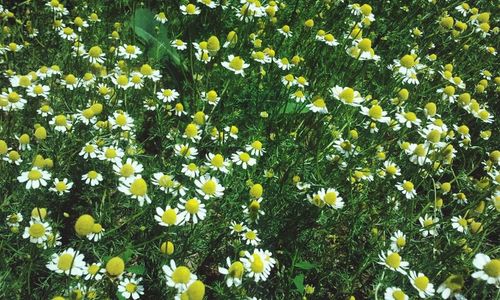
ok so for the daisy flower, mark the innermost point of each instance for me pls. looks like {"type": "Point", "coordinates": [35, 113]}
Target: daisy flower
{"type": "Point", "coordinates": [96, 234]}
{"type": "Point", "coordinates": [398, 241]}
{"type": "Point", "coordinates": [318, 105]}
{"type": "Point", "coordinates": [14, 219]}
{"type": "Point", "coordinates": [253, 211]}
{"type": "Point", "coordinates": [61, 186]}
{"type": "Point", "coordinates": [217, 162]}
{"type": "Point", "coordinates": [285, 31]}
{"type": "Point", "coordinates": [192, 132]}
{"type": "Point", "coordinates": [394, 293]}
{"type": "Point", "coordinates": [92, 177]}
{"type": "Point", "coordinates": [111, 154]}
{"type": "Point", "coordinates": [137, 188]}
{"type": "Point", "coordinates": [429, 225]}
{"type": "Point", "coordinates": [185, 151]}
{"type": "Point", "coordinates": [127, 170]}
{"type": "Point", "coordinates": [34, 178]}
{"type": "Point", "coordinates": [167, 95]}
{"type": "Point", "coordinates": [376, 113]}
{"type": "Point", "coordinates": [408, 119]}
{"type": "Point", "coordinates": [250, 237]}
{"type": "Point", "coordinates": [255, 148]}
{"type": "Point", "coordinates": [67, 33]}
{"type": "Point", "coordinates": [211, 97]}
{"type": "Point", "coordinates": [121, 120]}
{"type": "Point", "coordinates": [391, 169]}
{"type": "Point", "coordinates": [190, 9]}
{"type": "Point", "coordinates": [451, 287]}
{"type": "Point", "coordinates": [161, 17]}
{"type": "Point", "coordinates": [190, 170]}
{"type": "Point", "coordinates": [243, 159]}
{"type": "Point", "coordinates": [421, 283]}
{"type": "Point", "coordinates": [191, 209]}
{"type": "Point", "coordinates": [15, 100]}
{"type": "Point", "coordinates": [258, 264]}
{"type": "Point", "coordinates": [209, 187]}
{"type": "Point", "coordinates": [460, 224]}
{"type": "Point", "coordinates": [131, 288]}
{"type": "Point", "coordinates": [179, 277]}
{"type": "Point", "coordinates": [234, 272]}
{"type": "Point", "coordinates": [93, 271]}
{"type": "Point", "coordinates": [129, 51]}
{"type": "Point", "coordinates": [235, 64]}
{"type": "Point", "coordinates": [121, 81]}
{"type": "Point", "coordinates": [488, 269]}
{"type": "Point", "coordinates": [407, 188]}
{"type": "Point", "coordinates": [168, 216]}
{"type": "Point", "coordinates": [393, 261]}
{"type": "Point", "coordinates": [331, 198]}
{"type": "Point", "coordinates": [283, 63]}
{"type": "Point", "coordinates": [237, 227]}
{"type": "Point", "coordinates": [38, 90]}
{"type": "Point", "coordinates": [37, 231]}
{"type": "Point", "coordinates": [179, 45]}
{"type": "Point", "coordinates": [69, 262]}
{"type": "Point", "coordinates": [347, 95]}
{"type": "Point", "coordinates": [89, 151]}
{"type": "Point", "coordinates": [178, 110]}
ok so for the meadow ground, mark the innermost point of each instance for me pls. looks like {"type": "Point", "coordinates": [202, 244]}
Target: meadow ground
{"type": "Point", "coordinates": [227, 149]}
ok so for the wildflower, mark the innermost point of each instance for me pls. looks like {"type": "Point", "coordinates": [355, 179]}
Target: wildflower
{"type": "Point", "coordinates": [237, 227]}
{"type": "Point", "coordinates": [121, 120]}
{"type": "Point", "coordinates": [407, 188]}
{"type": "Point", "coordinates": [167, 95]}
{"type": "Point", "coordinates": [179, 110]}
{"type": "Point", "coordinates": [398, 241]}
{"type": "Point", "coordinates": [217, 162]}
{"type": "Point", "coordinates": [408, 118]}
{"type": "Point", "coordinates": [488, 269]}
{"type": "Point", "coordinates": [38, 90]}
{"type": "Point", "coordinates": [394, 293]}
{"type": "Point", "coordinates": [285, 31]}
{"type": "Point", "coordinates": [111, 154]}
{"type": "Point", "coordinates": [131, 288]}
{"type": "Point", "coordinates": [190, 170]}
{"type": "Point", "coordinates": [115, 267]}
{"type": "Point", "coordinates": [61, 186]}
{"type": "Point", "coordinates": [129, 51]}
{"type": "Point", "coordinates": [191, 208]}
{"type": "Point", "coordinates": [179, 45]}
{"type": "Point", "coordinates": [14, 219]}
{"type": "Point", "coordinates": [250, 237]}
{"type": "Point", "coordinates": [34, 178]}
{"type": "Point", "coordinates": [96, 234]}
{"type": "Point", "coordinates": [137, 188]}
{"type": "Point", "coordinates": [235, 64]}
{"type": "Point", "coordinates": [459, 223]}
{"type": "Point", "coordinates": [92, 177]}
{"type": "Point", "coordinates": [234, 272]}
{"type": "Point", "coordinates": [179, 277]}
{"type": "Point", "coordinates": [93, 271]}
{"type": "Point", "coordinates": [37, 231]}
{"type": "Point", "coordinates": [393, 261]}
{"type": "Point", "coordinates": [376, 113]}
{"type": "Point", "coordinates": [168, 216]}
{"type": "Point", "coordinates": [161, 17]}
{"type": "Point", "coordinates": [209, 187]}
{"type": "Point", "coordinates": [318, 105]}
{"type": "Point", "coordinates": [421, 283]}
{"type": "Point", "coordinates": [429, 225]}
{"type": "Point", "coordinates": [69, 262]}
{"type": "Point", "coordinates": [451, 287]}
{"type": "Point", "coordinates": [331, 198]}
{"type": "Point", "coordinates": [255, 148]}
{"type": "Point", "coordinates": [243, 159]}
{"type": "Point", "coordinates": [211, 97]}
{"type": "Point", "coordinates": [258, 264]}
{"type": "Point", "coordinates": [185, 151]}
{"type": "Point", "coordinates": [347, 95]}
{"type": "Point", "coordinates": [190, 9]}
{"type": "Point", "coordinates": [127, 170]}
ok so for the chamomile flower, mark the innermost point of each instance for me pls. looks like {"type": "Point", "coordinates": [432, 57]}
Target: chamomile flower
{"type": "Point", "coordinates": [190, 170]}
{"type": "Point", "coordinates": [112, 154]}
{"type": "Point", "coordinates": [121, 120]}
{"type": "Point", "coordinates": [89, 151]}
{"type": "Point", "coordinates": [184, 150]}
{"type": "Point", "coordinates": [92, 178]}
{"type": "Point", "coordinates": [61, 123]}
{"type": "Point", "coordinates": [253, 211]}
{"type": "Point", "coordinates": [331, 198]}
{"type": "Point", "coordinates": [460, 224]}
{"type": "Point", "coordinates": [391, 169]}
{"type": "Point", "coordinates": [95, 55]}
{"type": "Point", "coordinates": [258, 264]}
{"type": "Point", "coordinates": [255, 148]}
{"type": "Point", "coordinates": [211, 97]}
{"type": "Point", "coordinates": [393, 261]}
{"type": "Point", "coordinates": [376, 113]}
{"type": "Point", "coordinates": [15, 100]}
{"type": "Point", "coordinates": [285, 31]}
{"type": "Point", "coordinates": [488, 269]}
{"type": "Point", "coordinates": [191, 209]}
{"type": "Point", "coordinates": [217, 162]}
{"type": "Point", "coordinates": [14, 219]}
{"type": "Point", "coordinates": [261, 57]}
{"type": "Point", "coordinates": [178, 109]}
{"type": "Point", "coordinates": [69, 262]}
{"type": "Point", "coordinates": [96, 233]}
{"type": "Point", "coordinates": [168, 216]}
{"type": "Point", "coordinates": [318, 106]}
{"type": "Point", "coordinates": [61, 186]}
{"type": "Point", "coordinates": [398, 241]}
{"type": "Point", "coordinates": [137, 188]}
{"type": "Point", "coordinates": [451, 287]}
{"type": "Point", "coordinates": [421, 283]}
{"type": "Point", "coordinates": [234, 272]}
{"type": "Point", "coordinates": [243, 159]}
{"type": "Point", "coordinates": [235, 64]}
{"type": "Point", "coordinates": [167, 95]}
{"type": "Point", "coordinates": [347, 95]}
{"type": "Point", "coordinates": [68, 33]}
{"type": "Point", "coordinates": [129, 51]}
{"type": "Point", "coordinates": [237, 227]}
{"type": "Point", "coordinates": [429, 225]}
{"type": "Point", "coordinates": [127, 170]}
{"type": "Point", "coordinates": [179, 277]}
{"type": "Point", "coordinates": [192, 132]}
{"type": "Point", "coordinates": [131, 288]}
{"type": "Point", "coordinates": [408, 118]}
{"type": "Point", "coordinates": [37, 231]}
{"type": "Point", "coordinates": [330, 40]}
{"type": "Point", "coordinates": [209, 187]}
{"type": "Point", "coordinates": [407, 188]}
{"type": "Point", "coordinates": [190, 9]}
{"type": "Point", "coordinates": [250, 237]}
{"type": "Point", "coordinates": [283, 63]}
{"type": "Point", "coordinates": [232, 131]}
{"type": "Point", "coordinates": [38, 90]}
{"type": "Point", "coordinates": [394, 293]}
{"type": "Point", "coordinates": [94, 271]}
{"type": "Point", "coordinates": [161, 17]}
{"type": "Point", "coordinates": [179, 45]}
{"type": "Point", "coordinates": [34, 178]}
{"type": "Point", "coordinates": [121, 81]}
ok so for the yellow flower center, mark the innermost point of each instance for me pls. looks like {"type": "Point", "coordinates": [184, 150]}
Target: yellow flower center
{"type": "Point", "coordinates": [61, 186]}
{"type": "Point", "coordinates": [37, 230]}
{"type": "Point", "coordinates": [146, 70]}
{"type": "Point", "coordinates": [319, 103]}
{"type": "Point", "coordinates": [95, 51]}
{"type": "Point", "coordinates": [130, 49]}
{"type": "Point", "coordinates": [34, 175]}
{"type": "Point", "coordinates": [13, 97]}
{"type": "Point", "coordinates": [392, 170]}
{"type": "Point", "coordinates": [181, 275]}
{"type": "Point", "coordinates": [331, 198]}
{"type": "Point", "coordinates": [68, 31]}
{"type": "Point", "coordinates": [257, 265]}
{"type": "Point", "coordinates": [139, 187]}
{"type": "Point", "coordinates": [398, 295]}
{"type": "Point", "coordinates": [218, 161]}
{"type": "Point", "coordinates": [244, 157]}
{"type": "Point", "coordinates": [127, 170]}
{"type": "Point", "coordinates": [122, 80]}
{"type": "Point", "coordinates": [492, 268]}
{"type": "Point", "coordinates": [421, 282]}
{"type": "Point", "coordinates": [190, 9]}
{"type": "Point", "coordinates": [65, 262]}
{"type": "Point", "coordinates": [236, 270]}
{"type": "Point", "coordinates": [92, 174]}
{"type": "Point", "coordinates": [408, 186]}
{"type": "Point", "coordinates": [93, 269]}
{"type": "Point", "coordinates": [428, 222]}
{"type": "Point", "coordinates": [24, 81]}
{"type": "Point", "coordinates": [70, 79]}
{"type": "Point", "coordinates": [410, 116]}
{"type": "Point", "coordinates": [393, 260]}
{"type": "Point", "coordinates": [375, 112]}
{"type": "Point", "coordinates": [251, 235]}
{"type": "Point", "coordinates": [121, 119]}
{"type": "Point", "coordinates": [407, 61]}
{"type": "Point", "coordinates": [236, 63]}
{"type": "Point", "coordinates": [169, 217]}
{"type": "Point", "coordinates": [192, 206]}
{"type": "Point", "coordinates": [191, 130]}
{"type": "Point", "coordinates": [130, 287]}
{"type": "Point", "coordinates": [209, 187]}
{"type": "Point", "coordinates": [400, 242]}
